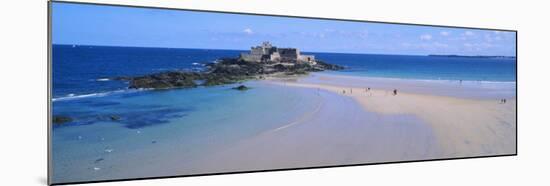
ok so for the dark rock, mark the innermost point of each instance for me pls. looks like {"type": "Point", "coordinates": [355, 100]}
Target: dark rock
{"type": "Point", "coordinates": [123, 78]}
{"type": "Point", "coordinates": [220, 79]}
{"type": "Point", "coordinates": [60, 120]}
{"type": "Point", "coordinates": [241, 88]}
{"type": "Point", "coordinates": [326, 66]}
{"type": "Point", "coordinates": [224, 71]}
{"type": "Point", "coordinates": [165, 80]}
{"type": "Point", "coordinates": [280, 67]}
{"type": "Point", "coordinates": [114, 117]}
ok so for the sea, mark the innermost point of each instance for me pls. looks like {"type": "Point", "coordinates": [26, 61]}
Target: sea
{"type": "Point", "coordinates": [80, 71]}
{"type": "Point", "coordinates": [110, 121]}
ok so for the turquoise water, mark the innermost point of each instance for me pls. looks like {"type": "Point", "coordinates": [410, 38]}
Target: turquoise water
{"type": "Point", "coordinates": [182, 122]}
{"type": "Point", "coordinates": [155, 129]}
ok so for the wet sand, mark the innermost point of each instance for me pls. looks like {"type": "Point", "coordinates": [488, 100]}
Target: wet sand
{"type": "Point", "coordinates": [368, 126]}
{"type": "Point", "coordinates": [322, 127]}
{"type": "Point", "coordinates": [337, 132]}
{"type": "Point", "coordinates": [468, 120]}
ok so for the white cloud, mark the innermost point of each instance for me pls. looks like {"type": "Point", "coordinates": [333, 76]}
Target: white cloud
{"type": "Point", "coordinates": [478, 46]}
{"type": "Point", "coordinates": [248, 31]}
{"type": "Point", "coordinates": [431, 46]}
{"type": "Point", "coordinates": [444, 33]}
{"type": "Point", "coordinates": [493, 37]}
{"type": "Point", "coordinates": [426, 37]}
{"type": "Point", "coordinates": [316, 35]}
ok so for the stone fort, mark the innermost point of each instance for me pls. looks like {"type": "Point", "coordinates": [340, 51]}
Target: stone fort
{"type": "Point", "coordinates": [267, 53]}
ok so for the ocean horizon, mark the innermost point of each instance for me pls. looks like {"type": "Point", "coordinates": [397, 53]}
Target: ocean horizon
{"type": "Point", "coordinates": [87, 70]}
{"type": "Point", "coordinates": [163, 93]}
{"type": "Point", "coordinates": [246, 50]}
{"type": "Point", "coordinates": [172, 131]}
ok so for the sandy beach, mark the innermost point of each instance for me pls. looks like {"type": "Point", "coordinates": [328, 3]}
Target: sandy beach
{"type": "Point", "coordinates": [365, 126]}
{"type": "Point", "coordinates": [464, 127]}
{"type": "Point", "coordinates": [144, 96]}
{"type": "Point", "coordinates": [299, 121]}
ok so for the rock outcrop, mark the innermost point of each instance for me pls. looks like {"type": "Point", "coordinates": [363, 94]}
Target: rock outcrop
{"type": "Point", "coordinates": [225, 71]}
{"type": "Point", "coordinates": [60, 120]}
{"type": "Point", "coordinates": [241, 88]}
{"type": "Point", "coordinates": [165, 80]}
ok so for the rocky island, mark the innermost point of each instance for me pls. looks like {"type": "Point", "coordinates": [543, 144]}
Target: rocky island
{"type": "Point", "coordinates": [261, 61]}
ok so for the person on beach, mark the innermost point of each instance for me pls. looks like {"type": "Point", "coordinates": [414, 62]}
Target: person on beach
{"type": "Point", "coordinates": [351, 91]}
{"type": "Point", "coordinates": [343, 91]}
{"type": "Point", "coordinates": [502, 101]}
{"type": "Point", "coordinates": [395, 92]}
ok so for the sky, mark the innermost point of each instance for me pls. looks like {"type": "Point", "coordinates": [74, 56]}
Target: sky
{"type": "Point", "coordinates": [83, 24]}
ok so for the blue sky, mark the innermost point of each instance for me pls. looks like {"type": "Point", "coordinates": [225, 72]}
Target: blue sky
{"type": "Point", "coordinates": [127, 26]}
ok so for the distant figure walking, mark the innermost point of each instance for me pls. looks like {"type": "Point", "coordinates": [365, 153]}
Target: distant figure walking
{"type": "Point", "coordinates": [394, 92]}
{"type": "Point", "coordinates": [344, 91]}
{"type": "Point", "coordinates": [351, 91]}
{"type": "Point", "coordinates": [502, 101]}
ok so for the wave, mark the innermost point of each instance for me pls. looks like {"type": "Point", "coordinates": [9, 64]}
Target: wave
{"type": "Point", "coordinates": [165, 69]}
{"type": "Point", "coordinates": [97, 94]}
{"type": "Point", "coordinates": [74, 96]}
{"type": "Point", "coordinates": [461, 81]}
{"type": "Point", "coordinates": [419, 79]}
{"type": "Point", "coordinates": [103, 79]}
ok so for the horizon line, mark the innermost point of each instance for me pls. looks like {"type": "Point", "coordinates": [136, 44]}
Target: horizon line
{"type": "Point", "coordinates": [458, 55]}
